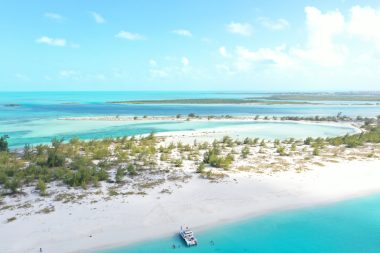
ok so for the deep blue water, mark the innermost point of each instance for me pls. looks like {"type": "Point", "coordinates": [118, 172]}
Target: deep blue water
{"type": "Point", "coordinates": [347, 227]}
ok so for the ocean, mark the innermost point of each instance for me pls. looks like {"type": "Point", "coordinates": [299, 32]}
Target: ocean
{"type": "Point", "coordinates": [351, 226]}
{"type": "Point", "coordinates": [35, 119]}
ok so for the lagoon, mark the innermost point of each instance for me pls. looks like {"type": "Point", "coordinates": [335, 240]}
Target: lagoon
{"type": "Point", "coordinates": [44, 130]}
{"type": "Point", "coordinates": [35, 118]}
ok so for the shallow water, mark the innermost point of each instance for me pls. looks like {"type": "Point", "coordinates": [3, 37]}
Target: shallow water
{"type": "Point", "coordinates": [42, 131]}
{"type": "Point", "coordinates": [351, 227]}
{"type": "Point", "coordinates": [35, 120]}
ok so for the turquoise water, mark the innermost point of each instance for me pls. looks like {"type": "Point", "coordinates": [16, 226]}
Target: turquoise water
{"type": "Point", "coordinates": [347, 227]}
{"type": "Point", "coordinates": [42, 131]}
{"type": "Point", "coordinates": [35, 120]}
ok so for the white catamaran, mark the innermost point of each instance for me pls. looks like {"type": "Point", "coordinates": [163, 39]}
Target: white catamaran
{"type": "Point", "coordinates": [188, 237]}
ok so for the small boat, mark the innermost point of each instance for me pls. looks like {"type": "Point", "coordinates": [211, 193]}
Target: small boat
{"type": "Point", "coordinates": [188, 236]}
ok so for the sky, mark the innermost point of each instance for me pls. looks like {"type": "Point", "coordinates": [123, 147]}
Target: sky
{"type": "Point", "coordinates": [293, 45]}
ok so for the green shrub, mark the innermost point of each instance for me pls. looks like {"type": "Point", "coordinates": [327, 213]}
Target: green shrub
{"type": "Point", "coordinates": [41, 187]}
{"type": "Point", "coordinates": [308, 141]}
{"type": "Point", "coordinates": [131, 170]}
{"type": "Point", "coordinates": [201, 168]}
{"type": "Point", "coordinates": [177, 162]}
{"type": "Point", "coordinates": [119, 175]}
{"type": "Point", "coordinates": [245, 152]}
{"type": "Point", "coordinates": [4, 143]}
{"type": "Point", "coordinates": [281, 151]}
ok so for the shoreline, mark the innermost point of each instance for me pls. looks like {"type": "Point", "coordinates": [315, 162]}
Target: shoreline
{"type": "Point", "coordinates": [123, 222]}
{"type": "Point", "coordinates": [129, 119]}
{"type": "Point", "coordinates": [234, 220]}
{"type": "Point", "coordinates": [270, 178]}
{"type": "Point", "coordinates": [209, 133]}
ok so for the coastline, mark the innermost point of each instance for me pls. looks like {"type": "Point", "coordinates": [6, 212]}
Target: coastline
{"type": "Point", "coordinates": [264, 182]}
{"type": "Point", "coordinates": [236, 132]}
{"type": "Point", "coordinates": [129, 119]}
{"type": "Point", "coordinates": [124, 221]}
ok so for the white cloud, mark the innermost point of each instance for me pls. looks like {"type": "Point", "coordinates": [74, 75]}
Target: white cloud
{"type": "Point", "coordinates": [278, 24]}
{"type": "Point", "coordinates": [119, 73]}
{"type": "Point", "coordinates": [276, 56]}
{"type": "Point", "coordinates": [68, 73]}
{"type": "Point", "coordinates": [207, 40]}
{"type": "Point", "coordinates": [365, 23]}
{"type": "Point", "coordinates": [244, 29]}
{"type": "Point", "coordinates": [152, 63]}
{"type": "Point", "coordinates": [339, 51]}
{"type": "Point", "coordinates": [320, 48]}
{"type": "Point", "coordinates": [53, 16]}
{"type": "Point", "coordinates": [75, 75]}
{"type": "Point", "coordinates": [243, 59]}
{"type": "Point", "coordinates": [173, 68]}
{"type": "Point", "coordinates": [22, 77]}
{"type": "Point", "coordinates": [322, 29]}
{"type": "Point", "coordinates": [225, 69]}
{"type": "Point", "coordinates": [158, 73]}
{"type": "Point", "coordinates": [223, 51]}
{"type": "Point", "coordinates": [183, 32]}
{"type": "Point", "coordinates": [74, 45]}
{"type": "Point", "coordinates": [99, 77]}
{"type": "Point", "coordinates": [129, 36]}
{"type": "Point", "coordinates": [51, 41]}
{"type": "Point", "coordinates": [98, 18]}
{"type": "Point", "coordinates": [185, 61]}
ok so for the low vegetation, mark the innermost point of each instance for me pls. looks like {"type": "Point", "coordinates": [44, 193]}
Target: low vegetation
{"type": "Point", "coordinates": [148, 161]}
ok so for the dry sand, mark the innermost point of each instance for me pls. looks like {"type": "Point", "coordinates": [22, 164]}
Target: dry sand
{"type": "Point", "coordinates": [198, 203]}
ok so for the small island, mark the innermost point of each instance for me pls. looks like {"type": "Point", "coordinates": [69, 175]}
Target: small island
{"type": "Point", "coordinates": [143, 176]}
{"type": "Point", "coordinates": [209, 101]}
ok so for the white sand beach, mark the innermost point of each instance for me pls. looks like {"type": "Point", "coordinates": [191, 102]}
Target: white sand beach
{"type": "Point", "coordinates": [96, 223]}
{"type": "Point", "coordinates": [249, 122]}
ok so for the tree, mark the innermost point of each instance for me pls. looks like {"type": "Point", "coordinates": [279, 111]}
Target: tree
{"type": "Point", "coordinates": [4, 143]}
